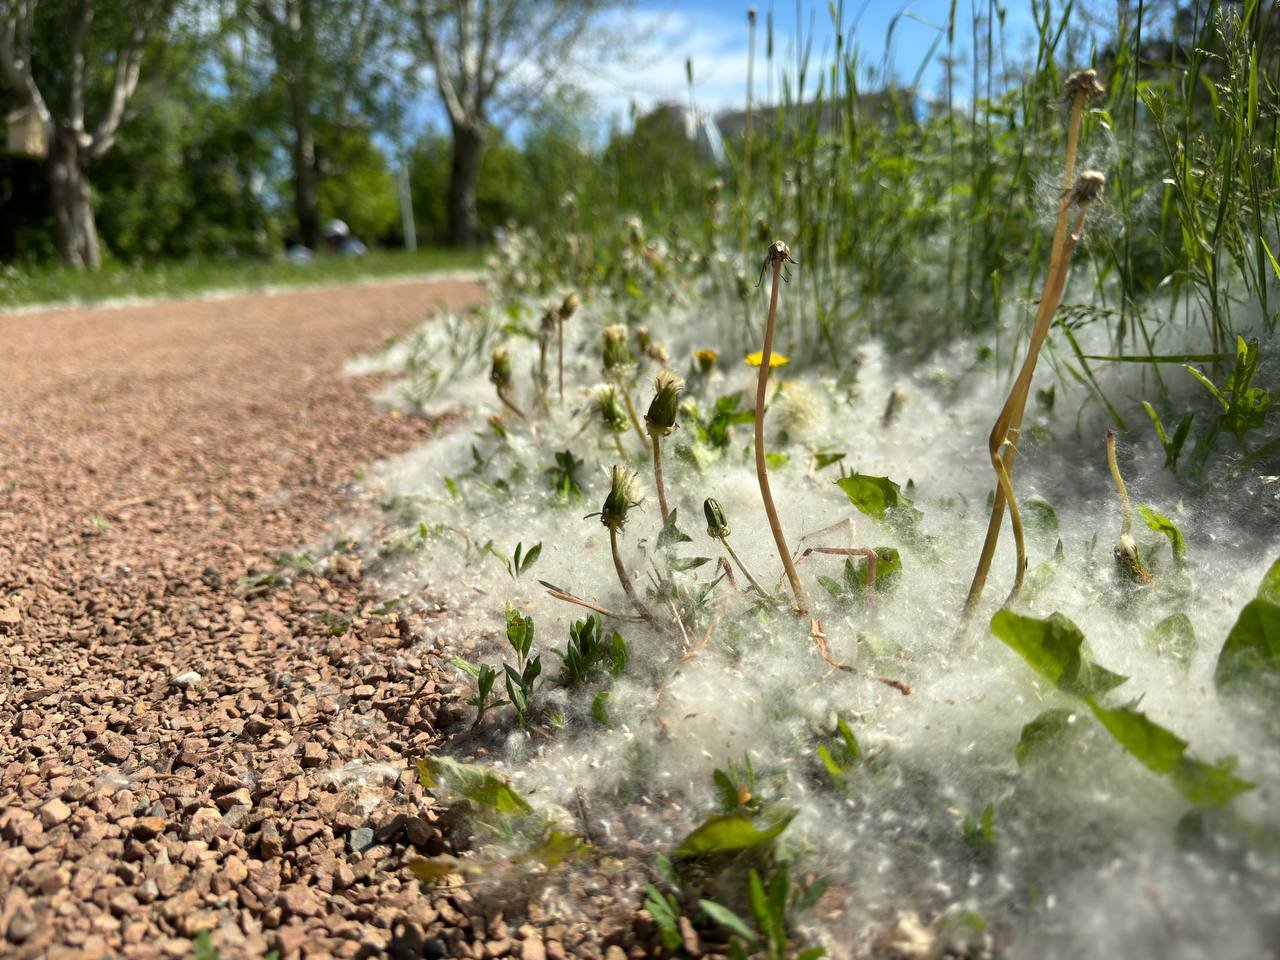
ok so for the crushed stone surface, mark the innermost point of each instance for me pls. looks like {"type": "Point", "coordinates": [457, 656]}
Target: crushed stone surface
{"type": "Point", "coordinates": [181, 750]}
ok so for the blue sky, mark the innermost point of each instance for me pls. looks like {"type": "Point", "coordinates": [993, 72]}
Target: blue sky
{"type": "Point", "coordinates": [713, 33]}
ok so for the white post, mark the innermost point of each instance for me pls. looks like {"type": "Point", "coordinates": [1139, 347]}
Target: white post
{"type": "Point", "coordinates": [406, 208]}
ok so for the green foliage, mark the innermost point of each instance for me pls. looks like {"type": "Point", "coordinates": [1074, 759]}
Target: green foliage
{"type": "Point", "coordinates": [852, 586]}
{"type": "Point", "coordinates": [478, 784]}
{"type": "Point", "coordinates": [1042, 737]}
{"type": "Point", "coordinates": [843, 755]}
{"type": "Point", "coordinates": [772, 907]}
{"type": "Point", "coordinates": [723, 833]}
{"type": "Point", "coordinates": [564, 475]}
{"type": "Point", "coordinates": [1172, 444]}
{"type": "Point", "coordinates": [520, 562]}
{"type": "Point", "coordinates": [1164, 525]}
{"type": "Point", "coordinates": [665, 911]}
{"type": "Point", "coordinates": [881, 499]}
{"type": "Point", "coordinates": [1175, 636]}
{"type": "Point", "coordinates": [1054, 648]}
{"type": "Point", "coordinates": [1249, 662]}
{"type": "Point", "coordinates": [587, 652]}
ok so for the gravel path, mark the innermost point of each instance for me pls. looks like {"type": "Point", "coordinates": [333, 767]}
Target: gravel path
{"type": "Point", "coordinates": [178, 753]}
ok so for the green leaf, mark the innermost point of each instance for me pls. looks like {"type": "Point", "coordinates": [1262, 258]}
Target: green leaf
{"type": "Point", "coordinates": [1043, 735]}
{"type": "Point", "coordinates": [1155, 747]}
{"type": "Point", "coordinates": [776, 461]}
{"type": "Point", "coordinates": [478, 784]}
{"type": "Point", "coordinates": [1250, 657]}
{"type": "Point", "coordinates": [679, 564]}
{"type": "Point", "coordinates": [727, 919]}
{"type": "Point", "coordinates": [1208, 785]}
{"type": "Point", "coordinates": [1038, 515]}
{"type": "Point", "coordinates": [721, 833]}
{"type": "Point", "coordinates": [1176, 635]}
{"type": "Point", "coordinates": [671, 533]}
{"type": "Point", "coordinates": [879, 498]}
{"type": "Point", "coordinates": [1053, 648]}
{"type": "Point", "coordinates": [470, 669]}
{"type": "Point", "coordinates": [1269, 589]}
{"type": "Point", "coordinates": [1170, 529]}
{"type": "Point", "coordinates": [822, 460]}
{"type": "Point", "coordinates": [530, 558]}
{"type": "Point", "coordinates": [600, 707]}
{"type": "Point", "coordinates": [452, 486]}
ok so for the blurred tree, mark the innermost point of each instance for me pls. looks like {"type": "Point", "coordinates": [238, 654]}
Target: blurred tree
{"type": "Point", "coordinates": [334, 60]}
{"type": "Point", "coordinates": [64, 61]}
{"type": "Point", "coordinates": [493, 60]}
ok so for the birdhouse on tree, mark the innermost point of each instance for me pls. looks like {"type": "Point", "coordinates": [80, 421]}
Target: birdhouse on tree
{"type": "Point", "coordinates": [26, 133]}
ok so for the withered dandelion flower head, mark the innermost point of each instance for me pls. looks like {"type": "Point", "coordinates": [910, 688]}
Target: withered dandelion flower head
{"type": "Point", "coordinates": [569, 305]}
{"type": "Point", "coordinates": [615, 352]}
{"type": "Point", "coordinates": [1083, 82]}
{"type": "Point", "coordinates": [661, 417]}
{"type": "Point", "coordinates": [624, 493]}
{"type": "Point", "coordinates": [1088, 187]}
{"type": "Point", "coordinates": [500, 368]}
{"type": "Point", "coordinates": [610, 409]}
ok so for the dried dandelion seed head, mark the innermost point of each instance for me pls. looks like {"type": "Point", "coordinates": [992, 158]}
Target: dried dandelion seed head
{"type": "Point", "coordinates": [1083, 83]}
{"type": "Point", "coordinates": [615, 353]}
{"type": "Point", "coordinates": [657, 352]}
{"type": "Point", "coordinates": [548, 321]}
{"type": "Point", "coordinates": [569, 305]}
{"type": "Point", "coordinates": [751, 16]}
{"type": "Point", "coordinates": [661, 417]}
{"type": "Point", "coordinates": [609, 408]}
{"type": "Point", "coordinates": [643, 337]}
{"type": "Point", "coordinates": [798, 407]}
{"type": "Point", "coordinates": [717, 523]}
{"type": "Point", "coordinates": [624, 493]}
{"type": "Point", "coordinates": [500, 368]}
{"type": "Point", "coordinates": [1088, 187]}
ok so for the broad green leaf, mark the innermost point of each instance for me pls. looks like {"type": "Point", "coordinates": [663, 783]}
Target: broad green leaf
{"type": "Point", "coordinates": [1155, 747]}
{"type": "Point", "coordinates": [822, 460]}
{"type": "Point", "coordinates": [1170, 529]}
{"type": "Point", "coordinates": [1038, 515]}
{"type": "Point", "coordinates": [879, 498]}
{"type": "Point", "coordinates": [476, 783]}
{"type": "Point", "coordinates": [727, 919]}
{"type": "Point", "coordinates": [1250, 657]}
{"type": "Point", "coordinates": [1176, 635]}
{"type": "Point", "coordinates": [721, 833]}
{"type": "Point", "coordinates": [1054, 649]}
{"type": "Point", "coordinates": [1269, 589]}
{"type": "Point", "coordinates": [1042, 737]}
{"type": "Point", "coordinates": [1208, 785]}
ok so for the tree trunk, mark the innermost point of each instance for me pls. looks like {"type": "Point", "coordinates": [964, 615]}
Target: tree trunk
{"type": "Point", "coordinates": [468, 153]}
{"type": "Point", "coordinates": [305, 187]}
{"type": "Point", "coordinates": [77, 233]}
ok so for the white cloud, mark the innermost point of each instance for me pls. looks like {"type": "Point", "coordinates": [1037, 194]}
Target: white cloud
{"type": "Point", "coordinates": [648, 66]}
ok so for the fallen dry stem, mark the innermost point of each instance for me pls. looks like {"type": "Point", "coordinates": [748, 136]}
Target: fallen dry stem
{"type": "Point", "coordinates": [558, 593]}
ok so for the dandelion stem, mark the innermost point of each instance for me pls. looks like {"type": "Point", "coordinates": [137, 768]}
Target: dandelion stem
{"type": "Point", "coordinates": [506, 402]}
{"type": "Point", "coordinates": [1002, 443]}
{"type": "Point", "coordinates": [631, 410]}
{"type": "Point", "coordinates": [778, 255]}
{"type": "Point", "coordinates": [617, 442]}
{"type": "Point", "coordinates": [627, 588]}
{"type": "Point", "coordinates": [745, 572]}
{"type": "Point", "coordinates": [657, 474]}
{"type": "Point", "coordinates": [1114, 467]}
{"type": "Point", "coordinates": [560, 355]}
